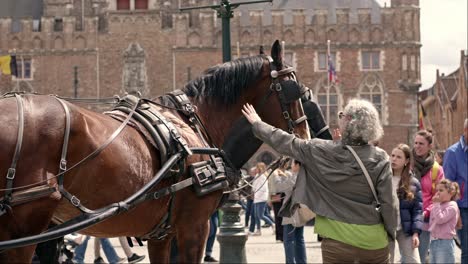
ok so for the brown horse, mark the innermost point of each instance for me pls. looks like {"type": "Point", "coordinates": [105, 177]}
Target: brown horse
{"type": "Point", "coordinates": [130, 161]}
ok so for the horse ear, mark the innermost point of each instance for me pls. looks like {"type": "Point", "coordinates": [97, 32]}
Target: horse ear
{"type": "Point", "coordinates": [276, 54]}
{"type": "Point", "coordinates": [261, 50]}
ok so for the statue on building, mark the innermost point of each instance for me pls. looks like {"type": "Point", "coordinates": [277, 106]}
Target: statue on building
{"type": "Point", "coordinates": [134, 70]}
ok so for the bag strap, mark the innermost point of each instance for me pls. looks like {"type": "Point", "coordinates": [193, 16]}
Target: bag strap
{"type": "Point", "coordinates": [435, 172]}
{"type": "Point", "coordinates": [369, 181]}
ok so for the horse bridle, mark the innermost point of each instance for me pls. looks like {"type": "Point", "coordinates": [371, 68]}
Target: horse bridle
{"type": "Point", "coordinates": [292, 92]}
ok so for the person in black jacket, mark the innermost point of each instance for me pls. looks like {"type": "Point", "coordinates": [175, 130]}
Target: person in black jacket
{"type": "Point", "coordinates": [409, 194]}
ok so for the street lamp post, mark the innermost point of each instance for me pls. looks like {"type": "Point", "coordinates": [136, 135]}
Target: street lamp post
{"type": "Point", "coordinates": [225, 12]}
{"type": "Point", "coordinates": [75, 81]}
{"type": "Point", "coordinates": [231, 234]}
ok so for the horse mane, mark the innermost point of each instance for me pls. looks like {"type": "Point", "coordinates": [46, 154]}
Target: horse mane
{"type": "Point", "coordinates": [226, 82]}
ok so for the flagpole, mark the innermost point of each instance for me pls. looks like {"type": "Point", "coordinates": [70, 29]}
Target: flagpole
{"type": "Point", "coordinates": [16, 77]}
{"type": "Point", "coordinates": [283, 44]}
{"type": "Point", "coordinates": [328, 80]}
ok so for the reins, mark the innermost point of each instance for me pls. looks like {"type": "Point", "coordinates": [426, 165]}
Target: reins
{"type": "Point", "coordinates": [272, 167]}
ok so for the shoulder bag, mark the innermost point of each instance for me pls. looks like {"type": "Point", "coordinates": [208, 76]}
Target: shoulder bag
{"type": "Point", "coordinates": [369, 181]}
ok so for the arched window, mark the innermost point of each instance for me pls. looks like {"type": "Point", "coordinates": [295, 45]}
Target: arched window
{"type": "Point", "coordinates": [372, 89]}
{"type": "Point", "coordinates": [329, 99]}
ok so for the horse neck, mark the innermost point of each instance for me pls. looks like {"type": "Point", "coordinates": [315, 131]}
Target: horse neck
{"type": "Point", "coordinates": [231, 132]}
{"type": "Point", "coordinates": [218, 119]}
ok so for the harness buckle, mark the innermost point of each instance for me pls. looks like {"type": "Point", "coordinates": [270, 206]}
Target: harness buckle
{"type": "Point", "coordinates": [63, 165]}
{"type": "Point", "coordinates": [174, 134]}
{"type": "Point", "coordinates": [11, 173]}
{"type": "Point", "coordinates": [286, 115]}
{"type": "Point", "coordinates": [278, 87]}
{"type": "Point", "coordinates": [189, 108]}
{"type": "Point", "coordinates": [75, 201]}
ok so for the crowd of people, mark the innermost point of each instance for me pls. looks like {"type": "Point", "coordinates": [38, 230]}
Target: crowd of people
{"type": "Point", "coordinates": [366, 200]}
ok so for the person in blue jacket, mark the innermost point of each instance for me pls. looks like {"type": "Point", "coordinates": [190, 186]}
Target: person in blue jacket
{"type": "Point", "coordinates": [456, 170]}
{"type": "Point", "coordinates": [408, 191]}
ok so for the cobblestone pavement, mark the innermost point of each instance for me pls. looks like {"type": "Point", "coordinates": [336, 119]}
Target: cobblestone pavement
{"type": "Point", "coordinates": [259, 249]}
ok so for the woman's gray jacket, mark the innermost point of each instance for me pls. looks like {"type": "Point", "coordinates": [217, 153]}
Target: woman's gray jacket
{"type": "Point", "coordinates": [332, 184]}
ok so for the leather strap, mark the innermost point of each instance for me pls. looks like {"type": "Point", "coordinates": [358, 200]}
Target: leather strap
{"type": "Point", "coordinates": [369, 181]}
{"type": "Point", "coordinates": [325, 128]}
{"type": "Point", "coordinates": [66, 137]}
{"type": "Point", "coordinates": [19, 142]}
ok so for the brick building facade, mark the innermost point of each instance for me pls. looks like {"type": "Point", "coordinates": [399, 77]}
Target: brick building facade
{"type": "Point", "coordinates": [446, 105]}
{"type": "Point", "coordinates": [149, 46]}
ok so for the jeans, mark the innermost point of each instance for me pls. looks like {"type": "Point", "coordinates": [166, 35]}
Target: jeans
{"type": "Point", "coordinates": [259, 210]}
{"type": "Point", "coordinates": [463, 235]}
{"type": "Point", "coordinates": [424, 240]}
{"type": "Point", "coordinates": [408, 254]}
{"type": "Point", "coordinates": [442, 251]}
{"type": "Point", "coordinates": [294, 246]}
{"type": "Point", "coordinates": [249, 214]}
{"type": "Point", "coordinates": [242, 204]}
{"type": "Point", "coordinates": [212, 236]}
{"type": "Point", "coordinates": [268, 213]}
{"type": "Point", "coordinates": [278, 220]}
{"type": "Point", "coordinates": [107, 247]}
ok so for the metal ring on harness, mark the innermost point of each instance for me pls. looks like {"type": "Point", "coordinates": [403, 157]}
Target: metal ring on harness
{"type": "Point", "coordinates": [274, 74]}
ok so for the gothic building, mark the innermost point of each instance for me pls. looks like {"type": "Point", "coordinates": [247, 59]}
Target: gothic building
{"type": "Point", "coordinates": [445, 105]}
{"type": "Point", "coordinates": [149, 46]}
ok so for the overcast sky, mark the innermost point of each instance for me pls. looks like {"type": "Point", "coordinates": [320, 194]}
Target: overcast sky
{"type": "Point", "coordinates": [443, 35]}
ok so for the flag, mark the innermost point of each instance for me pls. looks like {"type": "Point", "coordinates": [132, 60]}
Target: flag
{"type": "Point", "coordinates": [332, 77]}
{"type": "Point", "coordinates": [8, 65]}
{"type": "Point", "coordinates": [421, 116]}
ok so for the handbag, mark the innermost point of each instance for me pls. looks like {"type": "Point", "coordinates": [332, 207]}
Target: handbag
{"type": "Point", "coordinates": [301, 215]}
{"type": "Point", "coordinates": [369, 181]}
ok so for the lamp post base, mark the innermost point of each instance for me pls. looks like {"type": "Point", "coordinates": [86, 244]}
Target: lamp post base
{"type": "Point", "coordinates": [232, 236]}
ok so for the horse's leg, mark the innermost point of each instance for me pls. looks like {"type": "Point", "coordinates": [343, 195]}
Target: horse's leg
{"type": "Point", "coordinates": [191, 240]}
{"type": "Point", "coordinates": [25, 220]}
{"type": "Point", "coordinates": [159, 250]}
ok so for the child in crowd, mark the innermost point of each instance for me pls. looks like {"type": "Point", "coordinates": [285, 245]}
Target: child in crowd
{"type": "Point", "coordinates": [408, 191]}
{"type": "Point", "coordinates": [443, 221]}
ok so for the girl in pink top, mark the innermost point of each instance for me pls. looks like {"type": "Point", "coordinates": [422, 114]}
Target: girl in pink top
{"type": "Point", "coordinates": [443, 222]}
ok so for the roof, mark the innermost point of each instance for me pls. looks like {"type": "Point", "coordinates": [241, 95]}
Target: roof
{"type": "Point", "coordinates": [449, 85]}
{"type": "Point", "coordinates": [310, 6]}
{"type": "Point", "coordinates": [21, 8]}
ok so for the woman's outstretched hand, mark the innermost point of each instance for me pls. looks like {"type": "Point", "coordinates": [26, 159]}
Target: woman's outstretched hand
{"type": "Point", "coordinates": [250, 113]}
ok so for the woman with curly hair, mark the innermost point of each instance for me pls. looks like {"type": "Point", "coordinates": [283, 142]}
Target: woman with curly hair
{"type": "Point", "coordinates": [408, 191]}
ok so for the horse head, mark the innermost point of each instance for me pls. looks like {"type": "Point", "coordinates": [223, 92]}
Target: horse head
{"type": "Point", "coordinates": [266, 82]}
